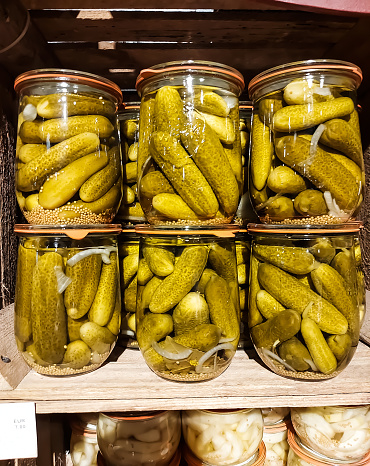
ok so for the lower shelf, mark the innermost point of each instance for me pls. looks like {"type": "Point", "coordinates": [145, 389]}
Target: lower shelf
{"type": "Point", "coordinates": [128, 384]}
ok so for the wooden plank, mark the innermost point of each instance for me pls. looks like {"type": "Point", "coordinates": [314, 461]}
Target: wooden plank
{"type": "Point", "coordinates": [12, 366]}
{"type": "Point", "coordinates": [219, 26]}
{"type": "Point", "coordinates": [353, 7]}
{"type": "Point", "coordinates": [126, 383]}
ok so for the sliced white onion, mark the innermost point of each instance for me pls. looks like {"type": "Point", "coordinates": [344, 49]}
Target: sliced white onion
{"type": "Point", "coordinates": [89, 252]}
{"type": "Point", "coordinates": [226, 340]}
{"type": "Point", "coordinates": [353, 442]}
{"type": "Point", "coordinates": [325, 91]}
{"type": "Point", "coordinates": [314, 142]}
{"type": "Point", "coordinates": [272, 355]}
{"type": "Point", "coordinates": [311, 364]}
{"type": "Point", "coordinates": [318, 422]}
{"type": "Point", "coordinates": [334, 210]}
{"type": "Point", "coordinates": [62, 279]}
{"type": "Point", "coordinates": [208, 354]}
{"type": "Point", "coordinates": [174, 356]}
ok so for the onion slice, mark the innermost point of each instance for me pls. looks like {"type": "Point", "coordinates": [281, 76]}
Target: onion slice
{"type": "Point", "coordinates": [185, 353]}
{"type": "Point", "coordinates": [272, 355]}
{"type": "Point", "coordinates": [208, 354]}
{"type": "Point", "coordinates": [62, 279]}
{"type": "Point", "coordinates": [314, 142]}
{"type": "Point", "coordinates": [89, 252]}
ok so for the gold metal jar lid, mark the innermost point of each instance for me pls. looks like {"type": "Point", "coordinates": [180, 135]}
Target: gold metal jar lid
{"type": "Point", "coordinates": [72, 231]}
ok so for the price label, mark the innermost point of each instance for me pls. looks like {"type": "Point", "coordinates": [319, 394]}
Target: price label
{"type": "Point", "coordinates": [18, 434]}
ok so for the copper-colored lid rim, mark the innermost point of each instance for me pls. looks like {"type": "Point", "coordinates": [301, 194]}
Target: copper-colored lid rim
{"type": "Point", "coordinates": [351, 227]}
{"type": "Point", "coordinates": [72, 76]}
{"type": "Point", "coordinates": [122, 417]}
{"type": "Point", "coordinates": [74, 233]}
{"type": "Point", "coordinates": [275, 428]}
{"type": "Point", "coordinates": [318, 64]}
{"type": "Point", "coordinates": [316, 461]}
{"type": "Point", "coordinates": [147, 73]}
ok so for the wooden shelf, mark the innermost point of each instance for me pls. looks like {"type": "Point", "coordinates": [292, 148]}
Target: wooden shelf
{"type": "Point", "coordinates": [128, 384]}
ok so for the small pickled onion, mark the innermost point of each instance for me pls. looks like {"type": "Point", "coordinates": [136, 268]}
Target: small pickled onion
{"type": "Point", "coordinates": [185, 353]}
{"type": "Point", "coordinates": [208, 354]}
{"type": "Point", "coordinates": [62, 279]}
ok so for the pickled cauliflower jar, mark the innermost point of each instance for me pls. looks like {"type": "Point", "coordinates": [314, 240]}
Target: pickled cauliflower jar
{"type": "Point", "coordinates": [128, 251]}
{"type": "Point", "coordinates": [306, 161]}
{"type": "Point", "coordinates": [272, 416]}
{"type": "Point", "coordinates": [275, 438]}
{"type": "Point", "coordinates": [300, 455]}
{"type": "Point", "coordinates": [223, 437]}
{"type": "Point", "coordinates": [67, 298]}
{"type": "Point", "coordinates": [304, 298]}
{"type": "Point", "coordinates": [130, 211]}
{"type": "Point", "coordinates": [339, 432]}
{"type": "Point", "coordinates": [139, 439]}
{"type": "Point", "coordinates": [188, 310]}
{"type": "Point", "coordinates": [68, 158]}
{"type": "Point", "coordinates": [189, 159]}
{"type": "Point", "coordinates": [84, 441]}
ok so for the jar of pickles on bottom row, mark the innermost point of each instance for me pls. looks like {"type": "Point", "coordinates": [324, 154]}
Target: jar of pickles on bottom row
{"type": "Point", "coordinates": [188, 310]}
{"type": "Point", "coordinates": [305, 298]}
{"type": "Point", "coordinates": [67, 300]}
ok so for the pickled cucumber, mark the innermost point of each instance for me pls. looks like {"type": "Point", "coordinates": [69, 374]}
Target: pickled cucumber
{"type": "Point", "coordinates": [153, 327]}
{"type": "Point", "coordinates": [98, 338]}
{"type": "Point", "coordinates": [103, 305]}
{"type": "Point", "coordinates": [203, 337]}
{"type": "Point", "coordinates": [144, 274]}
{"type": "Point", "coordinates": [77, 354]}
{"type": "Point", "coordinates": [294, 295]}
{"type": "Point", "coordinates": [283, 179]}
{"type": "Point", "coordinates": [74, 326]}
{"type": "Point", "coordinates": [148, 291]}
{"type": "Point", "coordinates": [206, 275]}
{"type": "Point", "coordinates": [80, 293]}
{"type": "Point", "coordinates": [294, 353]}
{"type": "Point", "coordinates": [154, 183]}
{"type": "Point", "coordinates": [29, 151]}
{"type": "Point", "coordinates": [267, 304]}
{"type": "Point", "coordinates": [168, 111]}
{"type": "Point", "coordinates": [223, 127]}
{"type": "Point", "coordinates": [23, 293]}
{"type": "Point", "coordinates": [130, 296]}
{"type": "Point", "coordinates": [210, 102]}
{"type": "Point", "coordinates": [254, 315]}
{"type": "Point", "coordinates": [130, 265]}
{"type": "Point", "coordinates": [172, 206]}
{"type": "Point", "coordinates": [310, 202]}
{"type": "Point", "coordinates": [279, 208]}
{"type": "Point", "coordinates": [319, 350]}
{"type": "Point", "coordinates": [29, 132]}
{"type": "Point", "coordinates": [277, 329]}
{"type": "Point", "coordinates": [191, 311]}
{"type": "Point", "coordinates": [262, 150]}
{"type": "Point", "coordinates": [160, 260]}
{"type": "Point", "coordinates": [291, 259]}
{"type": "Point", "coordinates": [114, 325]}
{"type": "Point", "coordinates": [186, 274]}
{"type": "Point", "coordinates": [340, 345]}
{"type": "Point", "coordinates": [49, 323]}
{"type": "Point", "coordinates": [63, 185]}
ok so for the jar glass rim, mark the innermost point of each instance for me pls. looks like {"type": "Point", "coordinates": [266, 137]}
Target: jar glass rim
{"type": "Point", "coordinates": [222, 231]}
{"type": "Point", "coordinates": [313, 65]}
{"type": "Point", "coordinates": [333, 229]}
{"type": "Point", "coordinates": [72, 231]}
{"type": "Point", "coordinates": [192, 66]}
{"type": "Point", "coordinates": [73, 76]}
{"type": "Point", "coordinates": [134, 416]}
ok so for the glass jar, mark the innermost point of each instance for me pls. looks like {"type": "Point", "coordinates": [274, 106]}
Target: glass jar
{"type": "Point", "coordinates": [68, 165]}
{"type": "Point", "coordinates": [176, 460]}
{"type": "Point", "coordinates": [223, 437]}
{"type": "Point", "coordinates": [245, 212]}
{"type": "Point", "coordinates": [339, 432]}
{"type": "Point", "coordinates": [300, 455]}
{"type": "Point", "coordinates": [303, 298]}
{"type": "Point", "coordinates": [139, 439]}
{"type": "Point", "coordinates": [188, 313]}
{"type": "Point", "coordinates": [189, 161]}
{"type": "Point", "coordinates": [275, 438]}
{"type": "Point", "coordinates": [273, 416]}
{"type": "Point", "coordinates": [128, 250]}
{"type": "Point", "coordinates": [84, 441]}
{"type": "Point", "coordinates": [360, 280]}
{"type": "Point", "coordinates": [67, 299]}
{"type": "Point", "coordinates": [130, 211]}
{"type": "Point", "coordinates": [306, 155]}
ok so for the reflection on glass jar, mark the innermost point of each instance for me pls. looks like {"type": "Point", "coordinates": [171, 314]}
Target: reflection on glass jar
{"type": "Point", "coordinates": [306, 154]}
{"type": "Point", "coordinates": [338, 432]}
{"type": "Point", "coordinates": [223, 437]}
{"type": "Point", "coordinates": [189, 160]}
{"type": "Point", "coordinates": [139, 439]}
{"type": "Point", "coordinates": [273, 416]}
{"type": "Point", "coordinates": [242, 247]}
{"type": "Point", "coordinates": [84, 441]}
{"type": "Point", "coordinates": [68, 166]}
{"type": "Point", "coordinates": [300, 455]}
{"type": "Point", "coordinates": [275, 438]}
{"type": "Point", "coordinates": [128, 249]}
{"type": "Point", "coordinates": [130, 211]}
{"type": "Point", "coordinates": [68, 301]}
{"type": "Point", "coordinates": [188, 312]}
{"type": "Point", "coordinates": [304, 313]}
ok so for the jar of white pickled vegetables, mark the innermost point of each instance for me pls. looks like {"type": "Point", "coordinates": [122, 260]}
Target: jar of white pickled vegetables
{"type": "Point", "coordinates": [84, 442]}
{"type": "Point", "coordinates": [300, 455]}
{"type": "Point", "coordinates": [174, 462]}
{"type": "Point", "coordinates": [341, 433]}
{"type": "Point", "coordinates": [272, 416]}
{"type": "Point", "coordinates": [275, 438]}
{"type": "Point", "coordinates": [139, 439]}
{"type": "Point", "coordinates": [257, 459]}
{"type": "Point", "coordinates": [223, 437]}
